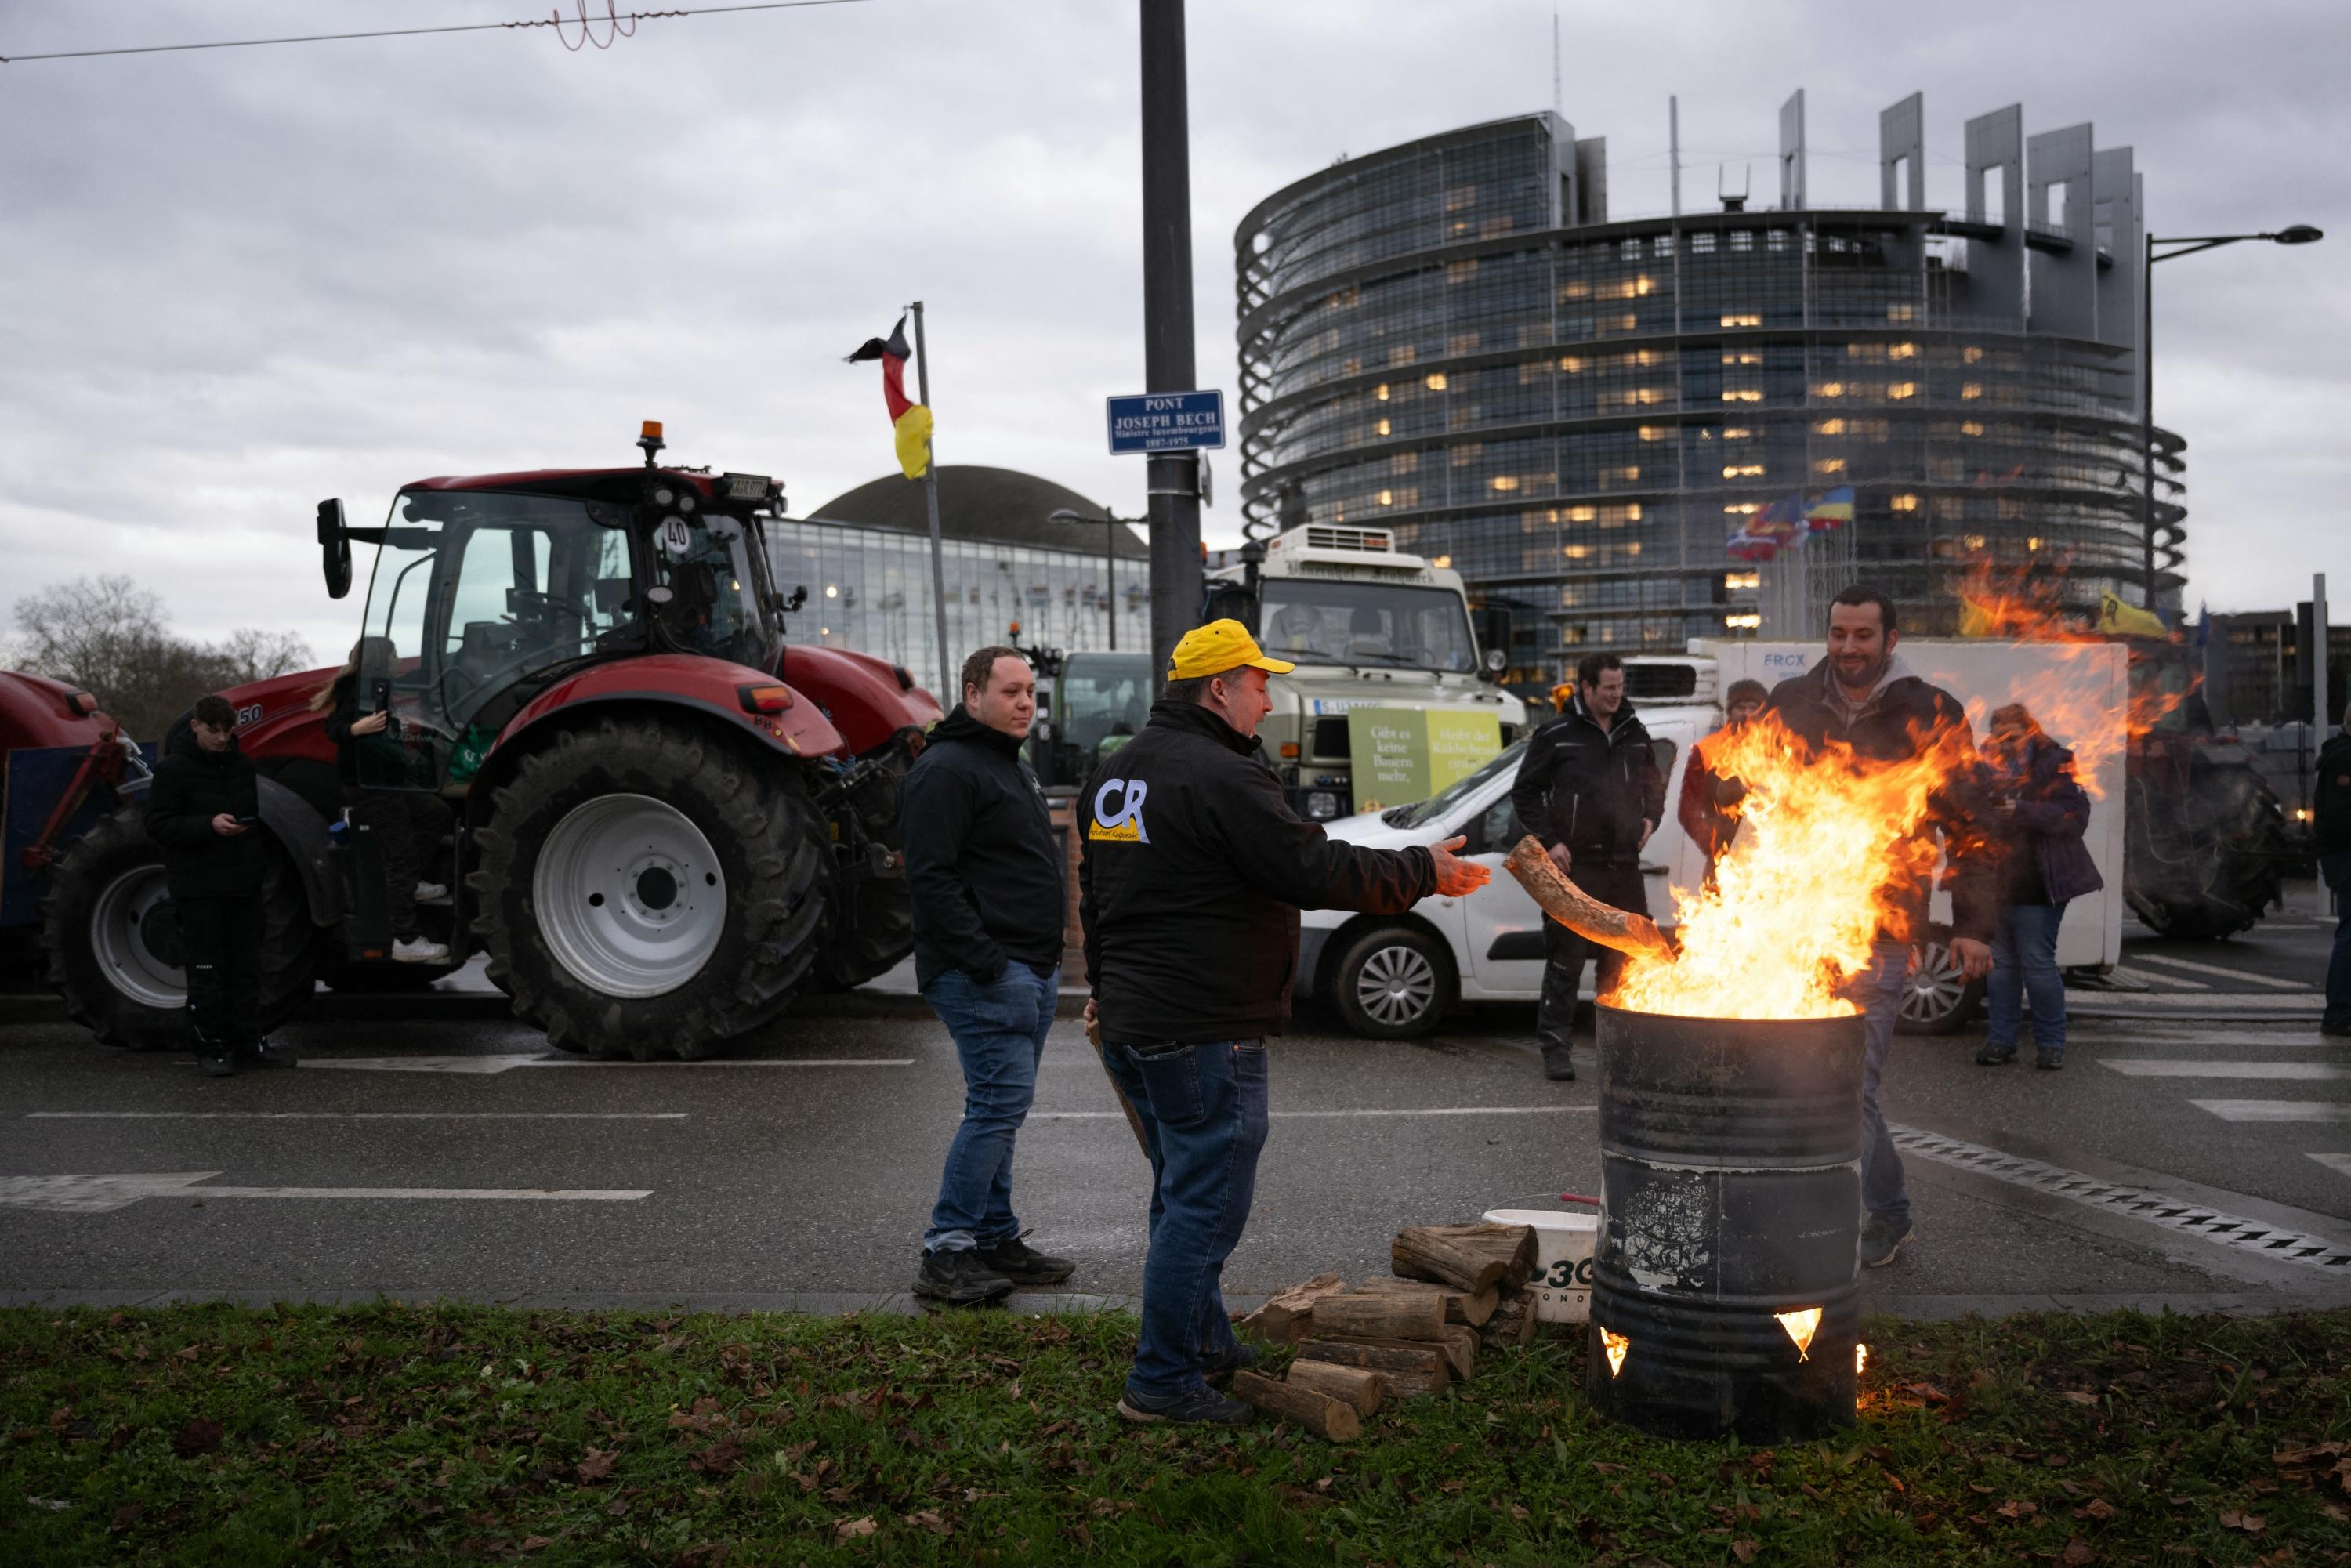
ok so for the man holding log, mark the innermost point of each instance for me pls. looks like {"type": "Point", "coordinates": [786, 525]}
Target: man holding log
{"type": "Point", "coordinates": [1589, 788]}
{"type": "Point", "coordinates": [1192, 875]}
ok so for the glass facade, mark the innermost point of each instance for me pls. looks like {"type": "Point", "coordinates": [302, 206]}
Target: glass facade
{"type": "Point", "coordinates": [1576, 418]}
{"type": "Point", "coordinates": [869, 589]}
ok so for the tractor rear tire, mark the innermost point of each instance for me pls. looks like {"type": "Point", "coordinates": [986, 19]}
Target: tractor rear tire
{"type": "Point", "coordinates": [647, 889]}
{"type": "Point", "coordinates": [113, 951]}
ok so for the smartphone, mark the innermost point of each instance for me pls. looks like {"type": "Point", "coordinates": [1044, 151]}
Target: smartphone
{"type": "Point", "coordinates": [247, 822]}
{"type": "Point", "coordinates": [383, 694]}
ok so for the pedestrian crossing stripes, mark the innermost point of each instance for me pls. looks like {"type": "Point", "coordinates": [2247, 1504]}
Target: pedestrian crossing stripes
{"type": "Point", "coordinates": [2165, 961]}
{"type": "Point", "coordinates": [2164, 1067]}
{"type": "Point", "coordinates": [2334, 1162]}
{"type": "Point", "coordinates": [2276, 1111]}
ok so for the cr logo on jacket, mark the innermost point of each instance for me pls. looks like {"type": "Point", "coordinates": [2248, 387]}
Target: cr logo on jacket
{"type": "Point", "coordinates": [1122, 824]}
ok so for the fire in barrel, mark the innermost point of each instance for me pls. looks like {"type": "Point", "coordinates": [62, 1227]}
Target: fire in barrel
{"type": "Point", "coordinates": [1725, 1289]}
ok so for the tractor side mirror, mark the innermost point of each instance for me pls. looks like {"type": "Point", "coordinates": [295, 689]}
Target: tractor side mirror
{"type": "Point", "coordinates": [334, 547]}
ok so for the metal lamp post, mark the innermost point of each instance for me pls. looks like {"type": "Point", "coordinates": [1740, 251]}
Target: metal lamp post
{"type": "Point", "coordinates": [1110, 555]}
{"type": "Point", "coordinates": [2300, 234]}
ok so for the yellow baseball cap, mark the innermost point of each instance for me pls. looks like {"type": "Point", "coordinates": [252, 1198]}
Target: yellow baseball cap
{"type": "Point", "coordinates": [1218, 646]}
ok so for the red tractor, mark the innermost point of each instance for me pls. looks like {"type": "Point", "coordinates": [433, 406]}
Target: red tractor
{"type": "Point", "coordinates": [667, 823]}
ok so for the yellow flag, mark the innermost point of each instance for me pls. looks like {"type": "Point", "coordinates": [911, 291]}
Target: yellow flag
{"type": "Point", "coordinates": [2119, 619]}
{"type": "Point", "coordinates": [1975, 620]}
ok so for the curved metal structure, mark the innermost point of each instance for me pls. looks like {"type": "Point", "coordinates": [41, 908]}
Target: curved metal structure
{"type": "Point", "coordinates": [1450, 339]}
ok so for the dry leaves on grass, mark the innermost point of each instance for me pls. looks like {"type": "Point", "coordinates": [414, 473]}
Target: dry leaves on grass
{"type": "Point", "coordinates": [2237, 1519]}
{"type": "Point", "coordinates": [201, 1435]}
{"type": "Point", "coordinates": [853, 1529]}
{"type": "Point", "coordinates": [596, 1464]}
{"type": "Point", "coordinates": [2076, 1552]}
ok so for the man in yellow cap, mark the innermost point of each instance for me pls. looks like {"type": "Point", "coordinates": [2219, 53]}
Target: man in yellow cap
{"type": "Point", "coordinates": [1192, 875]}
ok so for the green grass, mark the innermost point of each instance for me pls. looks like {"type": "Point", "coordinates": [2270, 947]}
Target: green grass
{"type": "Point", "coordinates": [396, 1434]}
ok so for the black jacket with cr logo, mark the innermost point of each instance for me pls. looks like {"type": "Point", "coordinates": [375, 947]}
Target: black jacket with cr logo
{"type": "Point", "coordinates": [1192, 875]}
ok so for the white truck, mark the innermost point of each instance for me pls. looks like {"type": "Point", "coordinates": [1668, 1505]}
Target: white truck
{"type": "Point", "coordinates": [1393, 977]}
{"type": "Point", "coordinates": [1368, 626]}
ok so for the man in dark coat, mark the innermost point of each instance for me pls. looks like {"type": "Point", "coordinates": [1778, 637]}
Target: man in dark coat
{"type": "Point", "coordinates": [1863, 697]}
{"type": "Point", "coordinates": [1192, 872]}
{"type": "Point", "coordinates": [1590, 788]}
{"type": "Point", "coordinates": [988, 900]}
{"type": "Point", "coordinates": [204, 810]}
{"type": "Point", "coordinates": [2331, 811]}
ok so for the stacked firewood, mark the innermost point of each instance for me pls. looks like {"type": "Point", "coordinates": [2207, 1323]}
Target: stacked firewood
{"type": "Point", "coordinates": [1457, 1289]}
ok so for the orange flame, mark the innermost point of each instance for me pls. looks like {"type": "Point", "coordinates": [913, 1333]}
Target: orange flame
{"type": "Point", "coordinates": [1796, 903]}
{"type": "Point", "coordinates": [1802, 1324]}
{"type": "Point", "coordinates": [1615, 1344]}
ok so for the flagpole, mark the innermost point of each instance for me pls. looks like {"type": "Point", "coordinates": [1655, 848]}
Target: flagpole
{"type": "Point", "coordinates": [947, 693]}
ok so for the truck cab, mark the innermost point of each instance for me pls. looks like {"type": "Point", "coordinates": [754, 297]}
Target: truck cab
{"type": "Point", "coordinates": [1368, 626]}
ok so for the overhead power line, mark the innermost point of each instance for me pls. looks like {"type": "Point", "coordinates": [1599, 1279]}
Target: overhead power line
{"type": "Point", "coordinates": [615, 19]}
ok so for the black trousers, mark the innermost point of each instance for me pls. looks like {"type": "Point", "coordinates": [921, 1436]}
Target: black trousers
{"type": "Point", "coordinates": [224, 944]}
{"type": "Point", "coordinates": [1565, 953]}
{"type": "Point", "coordinates": [407, 825]}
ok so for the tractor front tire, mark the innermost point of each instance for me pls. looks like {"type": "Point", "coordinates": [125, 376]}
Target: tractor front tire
{"type": "Point", "coordinates": [648, 889]}
{"type": "Point", "coordinates": [113, 943]}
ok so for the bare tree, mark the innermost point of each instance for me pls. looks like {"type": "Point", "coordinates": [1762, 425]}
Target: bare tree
{"type": "Point", "coordinates": [112, 638]}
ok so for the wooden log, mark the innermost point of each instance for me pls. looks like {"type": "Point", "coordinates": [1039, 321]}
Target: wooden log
{"type": "Point", "coordinates": [1460, 1345]}
{"type": "Point", "coordinates": [1380, 1314]}
{"type": "Point", "coordinates": [1460, 1306]}
{"type": "Point", "coordinates": [1514, 1245]}
{"type": "Point", "coordinates": [1513, 1323]}
{"type": "Point", "coordinates": [1577, 910]}
{"type": "Point", "coordinates": [1335, 1420]}
{"type": "Point", "coordinates": [1359, 1387]}
{"type": "Point", "coordinates": [1420, 1252]}
{"type": "Point", "coordinates": [1287, 1316]}
{"type": "Point", "coordinates": [1411, 1369]}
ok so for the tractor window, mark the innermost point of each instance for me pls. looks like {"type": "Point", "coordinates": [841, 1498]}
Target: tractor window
{"type": "Point", "coordinates": [711, 599]}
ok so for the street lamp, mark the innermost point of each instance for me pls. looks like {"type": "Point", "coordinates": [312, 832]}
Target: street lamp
{"type": "Point", "coordinates": [2300, 234]}
{"type": "Point", "coordinates": [1110, 555]}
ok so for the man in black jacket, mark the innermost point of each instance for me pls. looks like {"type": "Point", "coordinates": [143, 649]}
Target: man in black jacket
{"type": "Point", "coordinates": [988, 898]}
{"type": "Point", "coordinates": [1192, 872]}
{"type": "Point", "coordinates": [204, 810]}
{"type": "Point", "coordinates": [1590, 788]}
{"type": "Point", "coordinates": [2331, 812]}
{"type": "Point", "coordinates": [1863, 697]}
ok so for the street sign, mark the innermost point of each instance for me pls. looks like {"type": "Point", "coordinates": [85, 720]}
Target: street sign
{"type": "Point", "coordinates": [1166, 421]}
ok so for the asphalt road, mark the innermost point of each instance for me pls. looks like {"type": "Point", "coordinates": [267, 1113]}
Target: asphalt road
{"type": "Point", "coordinates": [801, 1172]}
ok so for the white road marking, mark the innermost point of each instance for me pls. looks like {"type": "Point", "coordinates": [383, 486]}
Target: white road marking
{"type": "Point", "coordinates": [98, 1194]}
{"type": "Point", "coordinates": [2105, 1002]}
{"type": "Point", "coordinates": [2160, 1067]}
{"type": "Point", "coordinates": [1303, 1116]}
{"type": "Point", "coordinates": [2142, 978]}
{"type": "Point", "coordinates": [2274, 1110]}
{"type": "Point", "coordinates": [357, 1115]}
{"type": "Point", "coordinates": [2193, 967]}
{"type": "Point", "coordinates": [506, 1061]}
{"type": "Point", "coordinates": [2284, 1038]}
{"type": "Point", "coordinates": [2341, 1162]}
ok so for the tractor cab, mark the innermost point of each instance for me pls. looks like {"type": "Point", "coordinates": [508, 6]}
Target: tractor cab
{"type": "Point", "coordinates": [488, 590]}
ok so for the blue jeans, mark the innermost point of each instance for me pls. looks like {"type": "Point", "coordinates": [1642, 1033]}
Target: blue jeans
{"type": "Point", "coordinates": [1878, 989]}
{"type": "Point", "coordinates": [2024, 966]}
{"type": "Point", "coordinates": [2337, 870]}
{"type": "Point", "coordinates": [1203, 1111]}
{"type": "Point", "coordinates": [999, 1032]}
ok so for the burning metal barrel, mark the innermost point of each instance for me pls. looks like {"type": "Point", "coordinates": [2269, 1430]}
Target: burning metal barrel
{"type": "Point", "coordinates": [1725, 1294]}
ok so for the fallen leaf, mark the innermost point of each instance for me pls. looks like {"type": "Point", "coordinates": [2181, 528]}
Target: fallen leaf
{"type": "Point", "coordinates": [597, 1463]}
{"type": "Point", "coordinates": [1743, 1548]}
{"type": "Point", "coordinates": [534, 1543]}
{"type": "Point", "coordinates": [2251, 1523]}
{"type": "Point", "coordinates": [2077, 1551]}
{"type": "Point", "coordinates": [1605, 1469]}
{"type": "Point", "coordinates": [2099, 1509]}
{"type": "Point", "coordinates": [1083, 1536]}
{"type": "Point", "coordinates": [929, 1519]}
{"type": "Point", "coordinates": [127, 1515]}
{"type": "Point", "coordinates": [2080, 1398]}
{"type": "Point", "coordinates": [2017, 1508]}
{"type": "Point", "coordinates": [201, 1435]}
{"type": "Point", "coordinates": [854, 1528]}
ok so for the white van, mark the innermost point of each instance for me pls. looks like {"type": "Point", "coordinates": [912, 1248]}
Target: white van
{"type": "Point", "coordinates": [1394, 977]}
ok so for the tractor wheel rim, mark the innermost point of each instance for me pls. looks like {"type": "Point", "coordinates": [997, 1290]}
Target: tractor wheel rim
{"type": "Point", "coordinates": [630, 895]}
{"type": "Point", "coordinates": [1397, 984]}
{"type": "Point", "coordinates": [1934, 991]}
{"type": "Point", "coordinates": [118, 938]}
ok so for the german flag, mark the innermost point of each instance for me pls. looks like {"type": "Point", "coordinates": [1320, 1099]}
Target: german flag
{"type": "Point", "coordinates": [910, 421]}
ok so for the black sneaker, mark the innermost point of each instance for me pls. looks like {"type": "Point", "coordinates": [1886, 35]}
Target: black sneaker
{"type": "Point", "coordinates": [1021, 1264]}
{"type": "Point", "coordinates": [1881, 1238]}
{"type": "Point", "coordinates": [2339, 1028]}
{"type": "Point", "coordinates": [216, 1060]}
{"type": "Point", "coordinates": [1201, 1407]}
{"type": "Point", "coordinates": [1996, 1055]}
{"type": "Point", "coordinates": [2049, 1060]}
{"type": "Point", "coordinates": [1240, 1358]}
{"type": "Point", "coordinates": [1558, 1066]}
{"type": "Point", "coordinates": [959, 1279]}
{"type": "Point", "coordinates": [266, 1053]}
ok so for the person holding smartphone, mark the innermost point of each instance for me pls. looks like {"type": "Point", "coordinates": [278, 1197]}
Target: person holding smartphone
{"type": "Point", "coordinates": [407, 823]}
{"type": "Point", "coordinates": [204, 811]}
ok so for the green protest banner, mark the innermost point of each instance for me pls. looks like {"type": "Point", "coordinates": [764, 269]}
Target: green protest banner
{"type": "Point", "coordinates": [1399, 754]}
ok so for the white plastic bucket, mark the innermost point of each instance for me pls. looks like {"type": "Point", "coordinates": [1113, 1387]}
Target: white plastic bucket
{"type": "Point", "coordinates": [1562, 1277]}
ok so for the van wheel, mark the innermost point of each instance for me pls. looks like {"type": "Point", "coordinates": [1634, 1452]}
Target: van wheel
{"type": "Point", "coordinates": [1392, 983]}
{"type": "Point", "coordinates": [1936, 998]}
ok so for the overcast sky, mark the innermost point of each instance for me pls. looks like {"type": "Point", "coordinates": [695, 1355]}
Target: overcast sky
{"type": "Point", "coordinates": [236, 281]}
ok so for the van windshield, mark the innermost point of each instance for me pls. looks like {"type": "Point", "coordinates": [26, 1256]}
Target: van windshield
{"type": "Point", "coordinates": [1323, 620]}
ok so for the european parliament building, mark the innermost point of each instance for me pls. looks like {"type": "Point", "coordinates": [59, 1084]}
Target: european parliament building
{"type": "Point", "coordinates": [1452, 337]}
